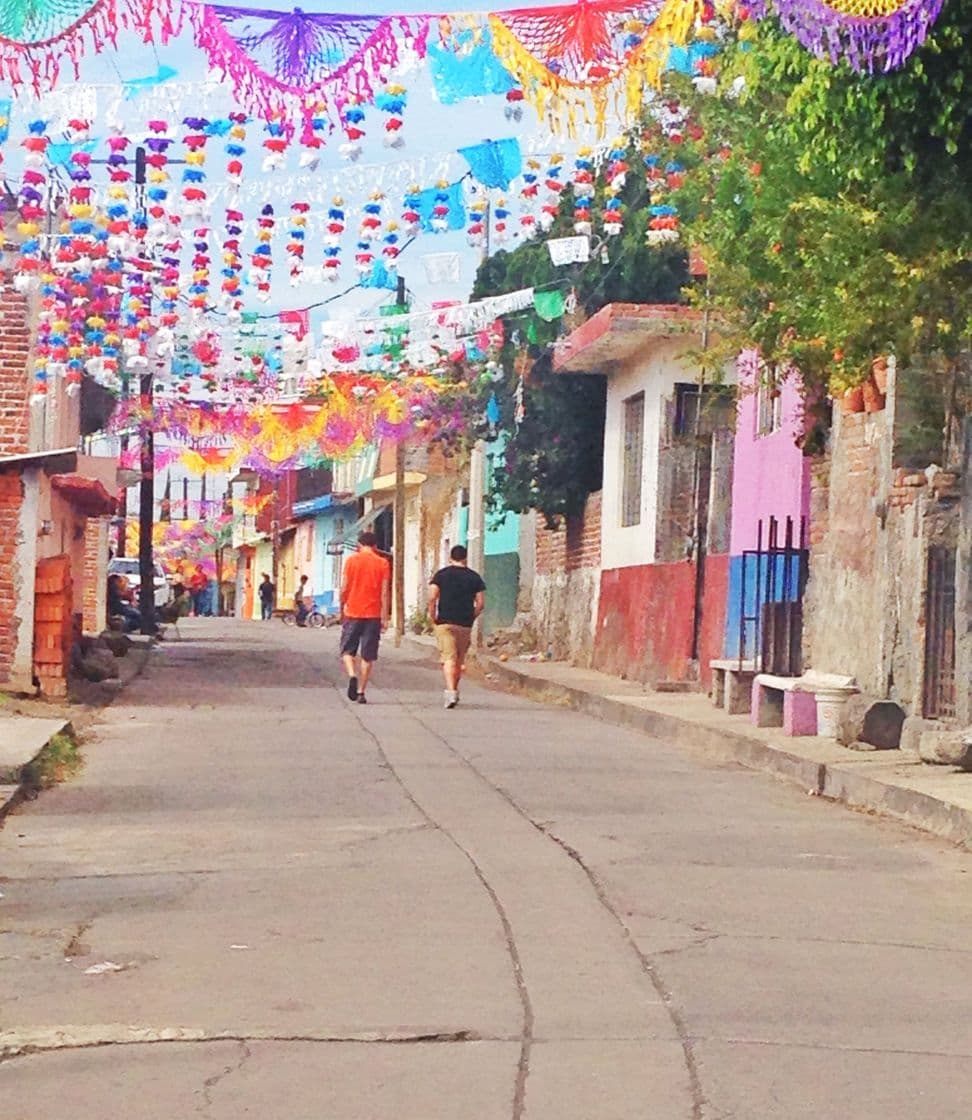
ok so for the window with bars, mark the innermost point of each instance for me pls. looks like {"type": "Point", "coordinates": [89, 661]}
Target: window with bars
{"type": "Point", "coordinates": [633, 420]}
{"type": "Point", "coordinates": [769, 411]}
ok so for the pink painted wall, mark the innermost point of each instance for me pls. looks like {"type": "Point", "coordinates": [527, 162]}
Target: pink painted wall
{"type": "Point", "coordinates": [771, 476]}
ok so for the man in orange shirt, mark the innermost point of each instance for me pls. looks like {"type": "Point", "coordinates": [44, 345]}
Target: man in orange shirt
{"type": "Point", "coordinates": [365, 597]}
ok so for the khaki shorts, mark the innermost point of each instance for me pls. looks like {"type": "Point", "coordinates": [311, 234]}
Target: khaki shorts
{"type": "Point", "coordinates": [453, 641]}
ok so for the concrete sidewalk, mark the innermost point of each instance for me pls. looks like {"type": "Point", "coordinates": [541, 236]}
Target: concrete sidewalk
{"type": "Point", "coordinates": [23, 737]}
{"type": "Point", "coordinates": [936, 799]}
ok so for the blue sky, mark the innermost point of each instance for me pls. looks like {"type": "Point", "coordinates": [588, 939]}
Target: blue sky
{"type": "Point", "coordinates": [432, 132]}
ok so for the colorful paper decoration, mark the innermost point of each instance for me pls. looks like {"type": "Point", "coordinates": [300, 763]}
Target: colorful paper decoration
{"type": "Point", "coordinates": [872, 35]}
{"type": "Point", "coordinates": [392, 101]}
{"type": "Point", "coordinates": [261, 259]}
{"type": "Point", "coordinates": [39, 38]}
{"type": "Point", "coordinates": [583, 191]}
{"type": "Point", "coordinates": [567, 58]}
{"type": "Point", "coordinates": [615, 178]}
{"type": "Point", "coordinates": [494, 163]}
{"type": "Point", "coordinates": [332, 239]}
{"type": "Point", "coordinates": [274, 59]}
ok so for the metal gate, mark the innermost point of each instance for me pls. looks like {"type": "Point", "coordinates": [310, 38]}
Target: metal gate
{"type": "Point", "coordinates": [939, 686]}
{"type": "Point", "coordinates": [774, 578]}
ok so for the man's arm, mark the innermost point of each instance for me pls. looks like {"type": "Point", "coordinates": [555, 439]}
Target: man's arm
{"type": "Point", "coordinates": [386, 599]}
{"type": "Point", "coordinates": [345, 572]}
{"type": "Point", "coordinates": [479, 603]}
{"type": "Point", "coordinates": [434, 602]}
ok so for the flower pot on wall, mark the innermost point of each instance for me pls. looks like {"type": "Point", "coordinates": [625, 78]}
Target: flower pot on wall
{"type": "Point", "coordinates": [879, 373]}
{"type": "Point", "coordinates": [873, 397]}
{"type": "Point", "coordinates": [853, 399]}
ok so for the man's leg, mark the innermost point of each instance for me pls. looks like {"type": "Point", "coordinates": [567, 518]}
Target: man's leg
{"type": "Point", "coordinates": [350, 639]}
{"type": "Point", "coordinates": [370, 639]}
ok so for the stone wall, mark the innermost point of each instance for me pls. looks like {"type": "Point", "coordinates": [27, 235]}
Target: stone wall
{"type": "Point", "coordinates": [14, 379]}
{"type": "Point", "coordinates": [870, 530]}
{"type": "Point", "coordinates": [566, 584]}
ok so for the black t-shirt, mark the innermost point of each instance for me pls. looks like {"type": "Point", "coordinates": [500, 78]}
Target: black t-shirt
{"type": "Point", "coordinates": [458, 588]}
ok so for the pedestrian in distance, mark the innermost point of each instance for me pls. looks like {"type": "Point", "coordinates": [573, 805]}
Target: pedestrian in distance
{"type": "Point", "coordinates": [199, 587]}
{"type": "Point", "coordinates": [266, 590]}
{"type": "Point", "coordinates": [303, 600]}
{"type": "Point", "coordinates": [457, 597]}
{"type": "Point", "coordinates": [365, 599]}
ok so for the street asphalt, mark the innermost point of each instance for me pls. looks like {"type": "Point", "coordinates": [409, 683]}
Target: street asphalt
{"type": "Point", "coordinates": [261, 900]}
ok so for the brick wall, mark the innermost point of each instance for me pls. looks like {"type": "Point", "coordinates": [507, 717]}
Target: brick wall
{"type": "Point", "coordinates": [92, 596]}
{"type": "Point", "coordinates": [14, 381]}
{"type": "Point", "coordinates": [11, 497]}
{"type": "Point", "coordinates": [575, 545]}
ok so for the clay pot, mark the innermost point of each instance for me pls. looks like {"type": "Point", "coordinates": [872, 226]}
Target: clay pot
{"type": "Point", "coordinates": [873, 397]}
{"type": "Point", "coordinates": [879, 373]}
{"type": "Point", "coordinates": [853, 399]}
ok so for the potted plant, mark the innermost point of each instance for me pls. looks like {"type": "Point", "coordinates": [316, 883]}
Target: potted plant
{"type": "Point", "coordinates": [872, 396]}
{"type": "Point", "coordinates": [879, 373]}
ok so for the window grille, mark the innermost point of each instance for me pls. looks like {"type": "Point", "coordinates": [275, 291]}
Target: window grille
{"type": "Point", "coordinates": [632, 461]}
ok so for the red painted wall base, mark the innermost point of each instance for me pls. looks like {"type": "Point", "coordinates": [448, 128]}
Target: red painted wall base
{"type": "Point", "coordinates": [645, 617]}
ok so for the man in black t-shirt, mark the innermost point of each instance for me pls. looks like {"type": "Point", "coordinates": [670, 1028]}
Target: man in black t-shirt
{"type": "Point", "coordinates": [457, 596]}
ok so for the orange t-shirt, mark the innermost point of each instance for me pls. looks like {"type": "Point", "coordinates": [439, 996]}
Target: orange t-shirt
{"type": "Point", "coordinates": [365, 574]}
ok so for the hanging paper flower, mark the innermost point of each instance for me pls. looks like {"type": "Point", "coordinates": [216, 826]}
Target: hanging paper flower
{"type": "Point", "coordinates": [32, 207]}
{"type": "Point", "coordinates": [334, 231]}
{"type": "Point", "coordinates": [261, 260]}
{"type": "Point", "coordinates": [275, 145]}
{"type": "Point", "coordinates": [313, 136]}
{"type": "Point", "coordinates": [440, 207]}
{"type": "Point", "coordinates": [352, 122]}
{"type": "Point", "coordinates": [370, 226]}
{"type": "Point", "coordinates": [392, 101]}
{"type": "Point", "coordinates": [476, 231]}
{"type": "Point", "coordinates": [411, 217]}
{"type": "Point", "coordinates": [501, 217]}
{"type": "Point", "coordinates": [295, 241]}
{"type": "Point", "coordinates": [392, 248]}
{"type": "Point", "coordinates": [514, 105]}
{"type": "Point", "coordinates": [583, 191]}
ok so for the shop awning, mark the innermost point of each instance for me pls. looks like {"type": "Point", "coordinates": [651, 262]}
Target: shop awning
{"type": "Point", "coordinates": [87, 495]}
{"type": "Point", "coordinates": [350, 535]}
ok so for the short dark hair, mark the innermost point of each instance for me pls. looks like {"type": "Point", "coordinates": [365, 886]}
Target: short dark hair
{"type": "Point", "coordinates": [458, 552]}
{"type": "Point", "coordinates": [368, 539]}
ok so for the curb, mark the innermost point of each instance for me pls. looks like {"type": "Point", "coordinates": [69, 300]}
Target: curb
{"type": "Point", "coordinates": [14, 790]}
{"type": "Point", "coordinates": [845, 781]}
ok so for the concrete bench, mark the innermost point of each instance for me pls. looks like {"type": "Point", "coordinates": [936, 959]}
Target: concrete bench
{"type": "Point", "coordinates": [785, 702]}
{"type": "Point", "coordinates": [732, 684]}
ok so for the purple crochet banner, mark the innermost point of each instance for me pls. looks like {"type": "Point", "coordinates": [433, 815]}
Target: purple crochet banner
{"type": "Point", "coordinates": [277, 58]}
{"type": "Point", "coordinates": [871, 35]}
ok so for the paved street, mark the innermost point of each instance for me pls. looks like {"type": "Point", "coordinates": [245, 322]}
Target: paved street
{"type": "Point", "coordinates": [261, 900]}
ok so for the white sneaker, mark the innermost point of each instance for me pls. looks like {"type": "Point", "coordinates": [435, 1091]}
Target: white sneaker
{"type": "Point", "coordinates": [451, 699]}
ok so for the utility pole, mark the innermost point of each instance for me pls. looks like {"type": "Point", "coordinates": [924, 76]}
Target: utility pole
{"type": "Point", "coordinates": [401, 300]}
{"type": "Point", "coordinates": [146, 492]}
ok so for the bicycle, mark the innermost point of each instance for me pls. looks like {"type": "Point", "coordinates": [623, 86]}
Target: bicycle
{"type": "Point", "coordinates": [314, 619]}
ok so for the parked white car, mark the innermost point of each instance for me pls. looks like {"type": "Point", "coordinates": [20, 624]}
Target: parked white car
{"type": "Point", "coordinates": [127, 566]}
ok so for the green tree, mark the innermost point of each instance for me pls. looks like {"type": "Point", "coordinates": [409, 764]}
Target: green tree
{"type": "Point", "coordinates": [834, 209]}
{"type": "Point", "coordinates": [552, 458]}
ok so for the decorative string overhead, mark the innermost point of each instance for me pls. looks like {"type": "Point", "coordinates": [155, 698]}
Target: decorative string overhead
{"type": "Point", "coordinates": [278, 59]}
{"type": "Point", "coordinates": [37, 39]}
{"type": "Point", "coordinates": [870, 34]}
{"type": "Point", "coordinates": [568, 59]}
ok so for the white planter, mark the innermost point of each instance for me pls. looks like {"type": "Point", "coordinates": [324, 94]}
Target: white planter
{"type": "Point", "coordinates": [830, 703]}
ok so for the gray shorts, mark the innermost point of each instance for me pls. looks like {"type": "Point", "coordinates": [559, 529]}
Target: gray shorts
{"type": "Point", "coordinates": [363, 634]}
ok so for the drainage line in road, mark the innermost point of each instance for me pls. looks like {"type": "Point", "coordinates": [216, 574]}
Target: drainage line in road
{"type": "Point", "coordinates": [526, 1041]}
{"type": "Point", "coordinates": [664, 993]}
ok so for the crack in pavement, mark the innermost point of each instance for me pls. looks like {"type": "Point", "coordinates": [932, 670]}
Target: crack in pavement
{"type": "Point", "coordinates": [526, 1039]}
{"type": "Point", "coordinates": [664, 993]}
{"type": "Point", "coordinates": [211, 1082]}
{"type": "Point", "coordinates": [23, 1044]}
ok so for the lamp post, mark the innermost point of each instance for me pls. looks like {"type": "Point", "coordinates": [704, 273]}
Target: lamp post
{"type": "Point", "coordinates": [399, 514]}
